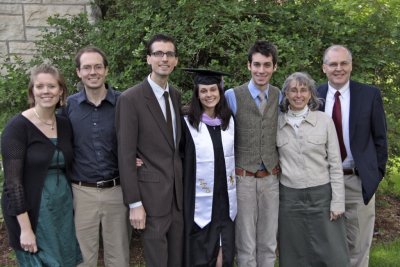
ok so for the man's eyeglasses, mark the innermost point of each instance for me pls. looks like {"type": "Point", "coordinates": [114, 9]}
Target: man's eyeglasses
{"type": "Point", "coordinates": [97, 68]}
{"type": "Point", "coordinates": [335, 65]}
{"type": "Point", "coordinates": [160, 54]}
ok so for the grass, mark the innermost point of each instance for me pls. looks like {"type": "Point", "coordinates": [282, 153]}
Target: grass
{"type": "Point", "coordinates": [385, 254]}
{"type": "Point", "coordinates": [382, 254]}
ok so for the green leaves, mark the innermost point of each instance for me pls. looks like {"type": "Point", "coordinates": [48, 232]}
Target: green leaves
{"type": "Point", "coordinates": [217, 35]}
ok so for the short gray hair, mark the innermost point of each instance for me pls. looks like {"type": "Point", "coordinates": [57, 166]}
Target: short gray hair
{"type": "Point", "coordinates": [335, 48]}
{"type": "Point", "coordinates": [303, 79]}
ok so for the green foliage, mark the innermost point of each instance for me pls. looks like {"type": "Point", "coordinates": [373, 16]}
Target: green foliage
{"type": "Point", "coordinates": [217, 35]}
{"type": "Point", "coordinates": [14, 89]}
{"type": "Point", "coordinates": [61, 41]}
{"type": "Point", "coordinates": [390, 185]}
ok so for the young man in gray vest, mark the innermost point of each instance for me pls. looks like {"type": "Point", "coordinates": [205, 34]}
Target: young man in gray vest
{"type": "Point", "coordinates": [255, 108]}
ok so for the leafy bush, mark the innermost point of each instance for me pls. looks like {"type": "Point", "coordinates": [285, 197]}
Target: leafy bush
{"type": "Point", "coordinates": [13, 92]}
{"type": "Point", "coordinates": [217, 35]}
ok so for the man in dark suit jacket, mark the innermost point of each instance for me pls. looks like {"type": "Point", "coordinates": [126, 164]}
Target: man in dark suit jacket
{"type": "Point", "coordinates": [364, 153]}
{"type": "Point", "coordinates": [149, 127]}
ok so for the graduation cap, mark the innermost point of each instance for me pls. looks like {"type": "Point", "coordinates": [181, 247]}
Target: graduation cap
{"type": "Point", "coordinates": [206, 77]}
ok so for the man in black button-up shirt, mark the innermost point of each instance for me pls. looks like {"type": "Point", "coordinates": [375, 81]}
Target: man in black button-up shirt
{"type": "Point", "coordinates": [97, 194]}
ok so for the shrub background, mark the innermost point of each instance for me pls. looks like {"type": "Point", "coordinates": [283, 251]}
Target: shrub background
{"type": "Point", "coordinates": [217, 35]}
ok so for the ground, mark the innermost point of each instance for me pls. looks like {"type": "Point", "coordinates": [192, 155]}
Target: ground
{"type": "Point", "coordinates": [387, 228]}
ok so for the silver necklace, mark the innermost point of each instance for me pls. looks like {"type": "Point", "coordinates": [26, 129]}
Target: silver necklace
{"type": "Point", "coordinates": [51, 125]}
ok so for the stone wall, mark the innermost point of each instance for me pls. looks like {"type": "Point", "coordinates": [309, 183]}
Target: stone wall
{"type": "Point", "coordinates": [22, 20]}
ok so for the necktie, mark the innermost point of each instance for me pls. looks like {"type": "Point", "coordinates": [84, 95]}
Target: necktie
{"type": "Point", "coordinates": [168, 113]}
{"type": "Point", "coordinates": [337, 120]}
{"type": "Point", "coordinates": [263, 102]}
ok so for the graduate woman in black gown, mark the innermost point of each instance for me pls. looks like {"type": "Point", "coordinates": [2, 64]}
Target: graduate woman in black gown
{"type": "Point", "coordinates": [209, 182]}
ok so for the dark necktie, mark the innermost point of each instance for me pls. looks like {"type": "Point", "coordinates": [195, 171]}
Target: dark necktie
{"type": "Point", "coordinates": [168, 113]}
{"type": "Point", "coordinates": [337, 119]}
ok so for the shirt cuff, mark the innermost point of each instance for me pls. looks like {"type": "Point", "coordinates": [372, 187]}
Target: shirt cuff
{"type": "Point", "coordinates": [135, 205]}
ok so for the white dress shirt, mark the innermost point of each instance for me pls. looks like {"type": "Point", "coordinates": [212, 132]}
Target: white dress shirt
{"type": "Point", "coordinates": [348, 163]}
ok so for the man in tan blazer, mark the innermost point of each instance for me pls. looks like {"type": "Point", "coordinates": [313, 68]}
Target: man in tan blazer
{"type": "Point", "coordinates": [149, 127]}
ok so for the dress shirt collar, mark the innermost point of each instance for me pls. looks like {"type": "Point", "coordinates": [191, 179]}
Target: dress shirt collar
{"type": "Point", "coordinates": [158, 90]}
{"type": "Point", "coordinates": [110, 96]}
{"type": "Point", "coordinates": [344, 91]}
{"type": "Point", "coordinates": [254, 91]}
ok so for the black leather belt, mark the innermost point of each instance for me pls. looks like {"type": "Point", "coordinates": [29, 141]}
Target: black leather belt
{"type": "Point", "coordinates": [350, 171]}
{"type": "Point", "coordinates": [101, 184]}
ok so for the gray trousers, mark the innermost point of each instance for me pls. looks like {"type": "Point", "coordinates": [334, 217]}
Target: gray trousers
{"type": "Point", "coordinates": [359, 220]}
{"type": "Point", "coordinates": [257, 220]}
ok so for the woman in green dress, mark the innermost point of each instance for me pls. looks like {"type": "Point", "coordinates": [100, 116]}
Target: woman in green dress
{"type": "Point", "coordinates": [36, 148]}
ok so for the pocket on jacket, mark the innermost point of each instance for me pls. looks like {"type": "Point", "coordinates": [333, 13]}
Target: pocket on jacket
{"type": "Point", "coordinates": [281, 141]}
{"type": "Point", "coordinates": [316, 139]}
{"type": "Point", "coordinates": [148, 176]}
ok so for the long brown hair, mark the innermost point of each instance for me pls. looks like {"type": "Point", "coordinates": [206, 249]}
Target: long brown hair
{"type": "Point", "coordinates": [195, 110]}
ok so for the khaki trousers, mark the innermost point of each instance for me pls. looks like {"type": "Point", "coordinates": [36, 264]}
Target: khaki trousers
{"type": "Point", "coordinates": [94, 207]}
{"type": "Point", "coordinates": [360, 220]}
{"type": "Point", "coordinates": [257, 220]}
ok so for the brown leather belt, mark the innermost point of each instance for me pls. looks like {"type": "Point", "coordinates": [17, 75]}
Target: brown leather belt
{"type": "Point", "coordinates": [350, 171]}
{"type": "Point", "coordinates": [101, 184]}
{"type": "Point", "coordinates": [257, 174]}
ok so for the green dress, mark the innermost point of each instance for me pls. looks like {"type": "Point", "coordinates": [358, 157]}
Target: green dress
{"type": "Point", "coordinates": [55, 232]}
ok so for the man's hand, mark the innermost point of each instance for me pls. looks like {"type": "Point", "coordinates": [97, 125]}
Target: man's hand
{"type": "Point", "coordinates": [137, 217]}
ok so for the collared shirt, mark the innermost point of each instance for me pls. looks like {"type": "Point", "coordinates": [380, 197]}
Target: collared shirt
{"type": "Point", "coordinates": [311, 157]}
{"type": "Point", "coordinates": [254, 91]}
{"type": "Point", "coordinates": [159, 93]}
{"type": "Point", "coordinates": [95, 140]}
{"type": "Point", "coordinates": [345, 108]}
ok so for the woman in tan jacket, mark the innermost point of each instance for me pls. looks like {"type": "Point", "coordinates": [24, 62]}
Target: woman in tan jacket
{"type": "Point", "coordinates": [311, 226]}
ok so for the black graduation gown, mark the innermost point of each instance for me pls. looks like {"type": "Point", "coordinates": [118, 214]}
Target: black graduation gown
{"type": "Point", "coordinates": [202, 245]}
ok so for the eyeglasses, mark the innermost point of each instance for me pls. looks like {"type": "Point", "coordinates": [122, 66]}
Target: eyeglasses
{"type": "Point", "coordinates": [160, 54]}
{"type": "Point", "coordinates": [335, 65]}
{"type": "Point", "coordinates": [88, 68]}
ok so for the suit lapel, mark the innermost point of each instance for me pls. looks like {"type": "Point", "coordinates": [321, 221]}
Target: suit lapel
{"type": "Point", "coordinates": [176, 104]}
{"type": "Point", "coordinates": [355, 101]}
{"type": "Point", "coordinates": [323, 91]}
{"type": "Point", "coordinates": [156, 112]}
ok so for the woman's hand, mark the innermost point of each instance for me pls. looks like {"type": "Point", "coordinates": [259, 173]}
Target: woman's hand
{"type": "Point", "coordinates": [27, 237]}
{"type": "Point", "coordinates": [28, 241]}
{"type": "Point", "coordinates": [336, 215]}
{"type": "Point", "coordinates": [139, 162]}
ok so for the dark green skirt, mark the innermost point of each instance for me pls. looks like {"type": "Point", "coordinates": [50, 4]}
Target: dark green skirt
{"type": "Point", "coordinates": [55, 231]}
{"type": "Point", "coordinates": [306, 235]}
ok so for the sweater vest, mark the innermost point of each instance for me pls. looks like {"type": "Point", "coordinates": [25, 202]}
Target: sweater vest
{"type": "Point", "coordinates": [255, 134]}
{"type": "Point", "coordinates": [205, 171]}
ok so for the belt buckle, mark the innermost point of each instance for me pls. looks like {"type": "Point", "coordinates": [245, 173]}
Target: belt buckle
{"type": "Point", "coordinates": [100, 184]}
